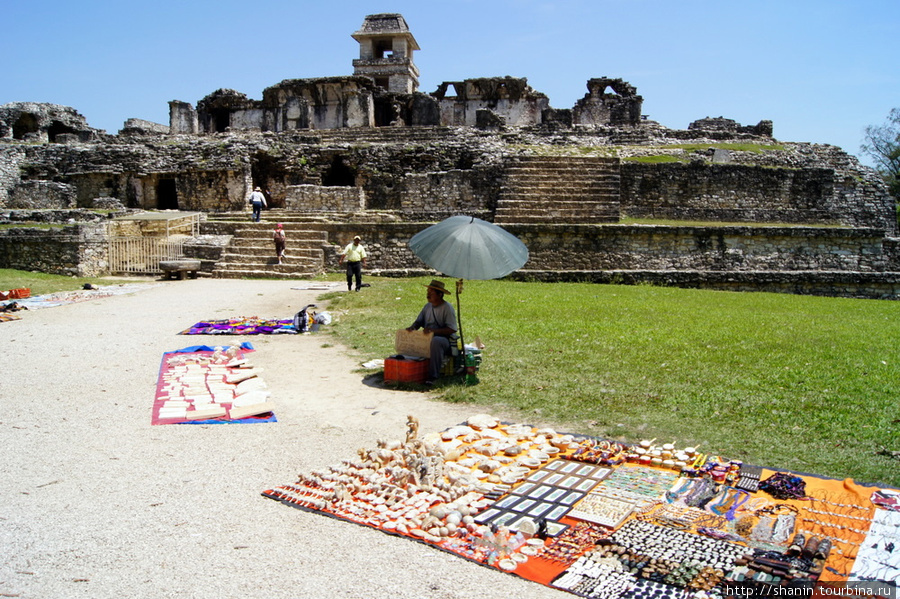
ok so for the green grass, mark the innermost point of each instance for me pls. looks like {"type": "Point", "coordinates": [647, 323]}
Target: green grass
{"type": "Point", "coordinates": [796, 382]}
{"type": "Point", "coordinates": [658, 158]}
{"type": "Point", "coordinates": [42, 283]}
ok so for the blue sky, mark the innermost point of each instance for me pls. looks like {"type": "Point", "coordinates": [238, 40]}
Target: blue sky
{"type": "Point", "coordinates": [820, 70]}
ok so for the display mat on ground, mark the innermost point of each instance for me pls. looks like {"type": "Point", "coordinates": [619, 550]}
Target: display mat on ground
{"type": "Point", "coordinates": [603, 519]}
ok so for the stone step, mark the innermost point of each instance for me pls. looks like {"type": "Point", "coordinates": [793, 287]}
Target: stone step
{"type": "Point", "coordinates": [554, 210]}
{"type": "Point", "coordinates": [560, 189]}
{"type": "Point", "coordinates": [261, 273]}
{"type": "Point", "coordinates": [253, 238]}
{"type": "Point", "coordinates": [538, 219]}
{"type": "Point", "coordinates": [558, 205]}
{"type": "Point", "coordinates": [250, 252]}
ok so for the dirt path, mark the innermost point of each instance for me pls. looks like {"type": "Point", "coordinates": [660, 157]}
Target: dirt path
{"type": "Point", "coordinates": [97, 503]}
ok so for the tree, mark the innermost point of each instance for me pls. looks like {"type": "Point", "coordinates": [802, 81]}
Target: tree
{"type": "Point", "coordinates": [882, 144]}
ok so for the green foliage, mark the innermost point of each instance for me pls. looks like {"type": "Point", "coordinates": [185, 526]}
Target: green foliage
{"type": "Point", "coordinates": [657, 159]}
{"type": "Point", "coordinates": [798, 382]}
{"type": "Point", "coordinates": [882, 144]}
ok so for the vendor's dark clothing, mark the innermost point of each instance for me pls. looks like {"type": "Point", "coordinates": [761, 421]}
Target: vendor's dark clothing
{"type": "Point", "coordinates": [354, 271]}
{"type": "Point", "coordinates": [439, 317]}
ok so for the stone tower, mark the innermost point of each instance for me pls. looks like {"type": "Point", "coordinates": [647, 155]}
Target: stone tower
{"type": "Point", "coordinates": [385, 53]}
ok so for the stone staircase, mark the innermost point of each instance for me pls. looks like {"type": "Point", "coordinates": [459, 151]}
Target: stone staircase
{"type": "Point", "coordinates": [251, 253]}
{"type": "Point", "coordinates": [559, 189]}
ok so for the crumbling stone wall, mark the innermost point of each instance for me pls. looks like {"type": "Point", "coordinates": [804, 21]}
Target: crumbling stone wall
{"type": "Point", "coordinates": [729, 248]}
{"type": "Point", "coordinates": [608, 102]}
{"type": "Point", "coordinates": [11, 158]}
{"type": "Point", "coordinates": [729, 193]}
{"type": "Point", "coordinates": [438, 195]}
{"type": "Point", "coordinates": [42, 122]}
{"type": "Point", "coordinates": [316, 198]}
{"type": "Point", "coordinates": [730, 126]}
{"type": "Point", "coordinates": [78, 250]}
{"type": "Point", "coordinates": [42, 194]}
{"type": "Point", "coordinates": [510, 98]}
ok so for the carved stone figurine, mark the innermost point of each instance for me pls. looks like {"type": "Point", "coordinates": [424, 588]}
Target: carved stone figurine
{"type": "Point", "coordinates": [412, 428]}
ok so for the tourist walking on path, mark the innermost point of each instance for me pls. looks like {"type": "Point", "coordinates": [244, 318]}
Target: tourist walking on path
{"type": "Point", "coordinates": [258, 201]}
{"type": "Point", "coordinates": [279, 239]}
{"type": "Point", "coordinates": [355, 255]}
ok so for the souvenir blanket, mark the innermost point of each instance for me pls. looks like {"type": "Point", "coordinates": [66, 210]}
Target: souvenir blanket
{"type": "Point", "coordinates": [61, 298]}
{"type": "Point", "coordinates": [211, 385]}
{"type": "Point", "coordinates": [594, 518]}
{"type": "Point", "coordinates": [242, 326]}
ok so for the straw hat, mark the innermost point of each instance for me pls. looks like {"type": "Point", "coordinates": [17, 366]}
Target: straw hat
{"type": "Point", "coordinates": [437, 286]}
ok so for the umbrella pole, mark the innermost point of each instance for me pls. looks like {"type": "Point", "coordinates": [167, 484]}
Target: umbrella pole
{"type": "Point", "coordinates": [462, 342]}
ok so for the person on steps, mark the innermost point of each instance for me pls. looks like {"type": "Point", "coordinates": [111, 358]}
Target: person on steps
{"type": "Point", "coordinates": [279, 239]}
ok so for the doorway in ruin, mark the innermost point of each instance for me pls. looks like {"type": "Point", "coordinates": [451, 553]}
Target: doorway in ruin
{"type": "Point", "coordinates": [166, 195]}
{"type": "Point", "coordinates": [384, 111]}
{"type": "Point", "coordinates": [221, 120]}
{"type": "Point", "coordinates": [339, 174]}
{"type": "Point", "coordinates": [56, 128]}
{"type": "Point", "coordinates": [25, 124]}
{"type": "Point", "coordinates": [271, 175]}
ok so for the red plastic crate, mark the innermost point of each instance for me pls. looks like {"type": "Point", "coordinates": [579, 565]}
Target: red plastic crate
{"type": "Point", "coordinates": [405, 371]}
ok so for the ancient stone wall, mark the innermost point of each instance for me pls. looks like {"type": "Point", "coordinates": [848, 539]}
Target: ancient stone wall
{"type": "Point", "coordinates": [42, 195]}
{"type": "Point", "coordinates": [510, 98]}
{"type": "Point", "coordinates": [731, 193]}
{"type": "Point", "coordinates": [733, 249]}
{"type": "Point", "coordinates": [78, 250]}
{"type": "Point", "coordinates": [316, 198]}
{"type": "Point", "coordinates": [435, 196]}
{"type": "Point", "coordinates": [11, 158]}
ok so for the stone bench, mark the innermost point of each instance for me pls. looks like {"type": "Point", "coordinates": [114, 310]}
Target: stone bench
{"type": "Point", "coordinates": [176, 269]}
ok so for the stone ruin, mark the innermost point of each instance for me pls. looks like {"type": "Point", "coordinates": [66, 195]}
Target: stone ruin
{"type": "Point", "coordinates": [369, 153]}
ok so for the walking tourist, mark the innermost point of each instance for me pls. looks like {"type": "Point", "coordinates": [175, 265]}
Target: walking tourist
{"type": "Point", "coordinates": [279, 239]}
{"type": "Point", "coordinates": [355, 255]}
{"type": "Point", "coordinates": [258, 201]}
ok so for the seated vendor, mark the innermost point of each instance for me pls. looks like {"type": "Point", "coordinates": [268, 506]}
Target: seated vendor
{"type": "Point", "coordinates": [438, 317]}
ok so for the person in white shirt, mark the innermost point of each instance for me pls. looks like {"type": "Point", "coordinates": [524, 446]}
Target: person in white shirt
{"type": "Point", "coordinates": [258, 201]}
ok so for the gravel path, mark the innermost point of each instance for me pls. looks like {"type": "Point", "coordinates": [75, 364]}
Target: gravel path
{"type": "Point", "coordinates": [97, 503]}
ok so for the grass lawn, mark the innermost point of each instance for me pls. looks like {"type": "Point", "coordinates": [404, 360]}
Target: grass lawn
{"type": "Point", "coordinates": [42, 283]}
{"type": "Point", "coordinates": [797, 382]}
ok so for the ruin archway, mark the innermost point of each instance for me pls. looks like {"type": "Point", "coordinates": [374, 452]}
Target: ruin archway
{"type": "Point", "coordinates": [166, 195]}
{"type": "Point", "coordinates": [25, 124]}
{"type": "Point", "coordinates": [339, 174]}
{"type": "Point", "coordinates": [56, 128]}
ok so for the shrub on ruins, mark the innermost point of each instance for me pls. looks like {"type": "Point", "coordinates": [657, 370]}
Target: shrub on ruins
{"type": "Point", "coordinates": [882, 144]}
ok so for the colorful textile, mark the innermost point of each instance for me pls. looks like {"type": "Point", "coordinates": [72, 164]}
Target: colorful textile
{"type": "Point", "coordinates": [242, 326]}
{"type": "Point", "coordinates": [5, 316]}
{"type": "Point", "coordinates": [545, 524]}
{"type": "Point", "coordinates": [196, 381]}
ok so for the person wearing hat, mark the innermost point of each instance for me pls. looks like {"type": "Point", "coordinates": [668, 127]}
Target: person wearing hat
{"type": "Point", "coordinates": [258, 201]}
{"type": "Point", "coordinates": [355, 254]}
{"type": "Point", "coordinates": [438, 317]}
{"type": "Point", "coordinates": [279, 238]}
